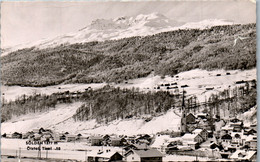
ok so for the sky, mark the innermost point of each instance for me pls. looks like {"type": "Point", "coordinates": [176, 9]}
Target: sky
{"type": "Point", "coordinates": [23, 22]}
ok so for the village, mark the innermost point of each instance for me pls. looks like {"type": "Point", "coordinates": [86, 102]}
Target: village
{"type": "Point", "coordinates": [235, 141]}
{"type": "Point", "coordinates": [200, 134]}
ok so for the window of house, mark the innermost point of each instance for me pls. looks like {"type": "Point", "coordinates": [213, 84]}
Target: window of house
{"type": "Point", "coordinates": [133, 158]}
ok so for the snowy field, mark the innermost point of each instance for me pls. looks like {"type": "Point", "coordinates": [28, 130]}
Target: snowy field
{"type": "Point", "coordinates": [60, 120]}
{"type": "Point", "coordinates": [197, 80]}
{"type": "Point", "coordinates": [68, 151]}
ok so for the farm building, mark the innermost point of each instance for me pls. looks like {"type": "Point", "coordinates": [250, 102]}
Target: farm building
{"type": "Point", "coordinates": [151, 155]}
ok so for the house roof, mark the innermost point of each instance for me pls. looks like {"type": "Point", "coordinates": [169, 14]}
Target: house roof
{"type": "Point", "coordinates": [141, 146]}
{"type": "Point", "coordinates": [245, 155]}
{"type": "Point", "coordinates": [190, 114]}
{"type": "Point", "coordinates": [226, 136]}
{"type": "Point", "coordinates": [189, 136]}
{"type": "Point", "coordinates": [116, 139]}
{"type": "Point", "coordinates": [104, 154]}
{"type": "Point", "coordinates": [148, 153]}
{"type": "Point", "coordinates": [201, 114]}
{"type": "Point", "coordinates": [191, 142]}
{"type": "Point", "coordinates": [96, 137]}
{"type": "Point", "coordinates": [198, 131]}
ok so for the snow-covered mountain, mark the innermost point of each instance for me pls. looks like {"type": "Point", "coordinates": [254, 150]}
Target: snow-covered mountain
{"type": "Point", "coordinates": [122, 27]}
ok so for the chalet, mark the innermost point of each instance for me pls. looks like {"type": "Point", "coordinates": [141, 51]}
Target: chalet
{"type": "Point", "coordinates": [193, 145]}
{"type": "Point", "coordinates": [26, 135]}
{"type": "Point", "coordinates": [184, 86]}
{"type": "Point", "coordinates": [144, 155]}
{"type": "Point", "coordinates": [190, 118]}
{"type": "Point", "coordinates": [106, 137]}
{"type": "Point", "coordinates": [131, 139]}
{"type": "Point", "coordinates": [144, 139]}
{"type": "Point", "coordinates": [225, 154]}
{"type": "Point", "coordinates": [226, 130]}
{"type": "Point", "coordinates": [47, 137]}
{"type": "Point", "coordinates": [55, 137]}
{"type": "Point", "coordinates": [70, 138]}
{"type": "Point", "coordinates": [226, 139]}
{"type": "Point", "coordinates": [237, 139]}
{"type": "Point", "coordinates": [209, 145]}
{"type": "Point", "coordinates": [240, 82]}
{"type": "Point", "coordinates": [41, 130]}
{"type": "Point", "coordinates": [251, 132]}
{"type": "Point", "coordinates": [237, 126]}
{"type": "Point", "coordinates": [202, 132]}
{"type": "Point", "coordinates": [106, 155]}
{"type": "Point", "coordinates": [36, 130]}
{"type": "Point", "coordinates": [137, 147]}
{"type": "Point", "coordinates": [251, 142]}
{"type": "Point", "coordinates": [209, 88]}
{"type": "Point", "coordinates": [96, 141]}
{"type": "Point", "coordinates": [17, 135]}
{"type": "Point", "coordinates": [37, 137]}
{"type": "Point", "coordinates": [83, 138]}
{"type": "Point", "coordinates": [242, 155]}
{"type": "Point", "coordinates": [116, 141]}
{"type": "Point", "coordinates": [192, 137]}
{"type": "Point", "coordinates": [62, 137]}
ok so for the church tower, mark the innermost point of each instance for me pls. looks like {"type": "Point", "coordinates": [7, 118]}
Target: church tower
{"type": "Point", "coordinates": [183, 116]}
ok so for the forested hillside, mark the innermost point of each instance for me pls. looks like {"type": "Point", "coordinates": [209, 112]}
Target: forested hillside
{"type": "Point", "coordinates": [109, 103]}
{"type": "Point", "coordinates": [167, 53]}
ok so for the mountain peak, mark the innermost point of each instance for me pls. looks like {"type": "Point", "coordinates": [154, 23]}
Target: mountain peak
{"type": "Point", "coordinates": [122, 27]}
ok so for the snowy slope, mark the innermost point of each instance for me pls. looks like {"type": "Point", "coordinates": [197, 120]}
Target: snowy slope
{"type": "Point", "coordinates": [28, 122]}
{"type": "Point", "coordinates": [197, 80]}
{"type": "Point", "coordinates": [59, 120]}
{"type": "Point", "coordinates": [122, 27]}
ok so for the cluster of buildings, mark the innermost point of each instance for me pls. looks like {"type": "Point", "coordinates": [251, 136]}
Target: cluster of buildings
{"type": "Point", "coordinates": [234, 141]}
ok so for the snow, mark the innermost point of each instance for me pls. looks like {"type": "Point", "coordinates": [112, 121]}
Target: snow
{"type": "Point", "coordinates": [48, 119]}
{"type": "Point", "coordinates": [164, 140]}
{"type": "Point", "coordinates": [249, 117]}
{"type": "Point", "coordinates": [196, 79]}
{"type": "Point", "coordinates": [13, 92]}
{"type": "Point", "coordinates": [168, 121]}
{"type": "Point", "coordinates": [247, 155]}
{"type": "Point", "coordinates": [60, 120]}
{"type": "Point", "coordinates": [184, 158]}
{"type": "Point", "coordinates": [122, 27]}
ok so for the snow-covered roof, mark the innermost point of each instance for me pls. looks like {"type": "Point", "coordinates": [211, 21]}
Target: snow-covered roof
{"type": "Point", "coordinates": [242, 155]}
{"type": "Point", "coordinates": [250, 138]}
{"type": "Point", "coordinates": [104, 154]}
{"type": "Point", "coordinates": [146, 153]}
{"type": "Point", "coordinates": [197, 131]}
{"type": "Point", "coordinates": [191, 142]}
{"type": "Point", "coordinates": [189, 136]}
{"type": "Point", "coordinates": [227, 127]}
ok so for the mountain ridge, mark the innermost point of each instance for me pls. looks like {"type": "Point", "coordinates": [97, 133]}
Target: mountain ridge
{"type": "Point", "coordinates": [118, 28]}
{"type": "Point", "coordinates": [166, 53]}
